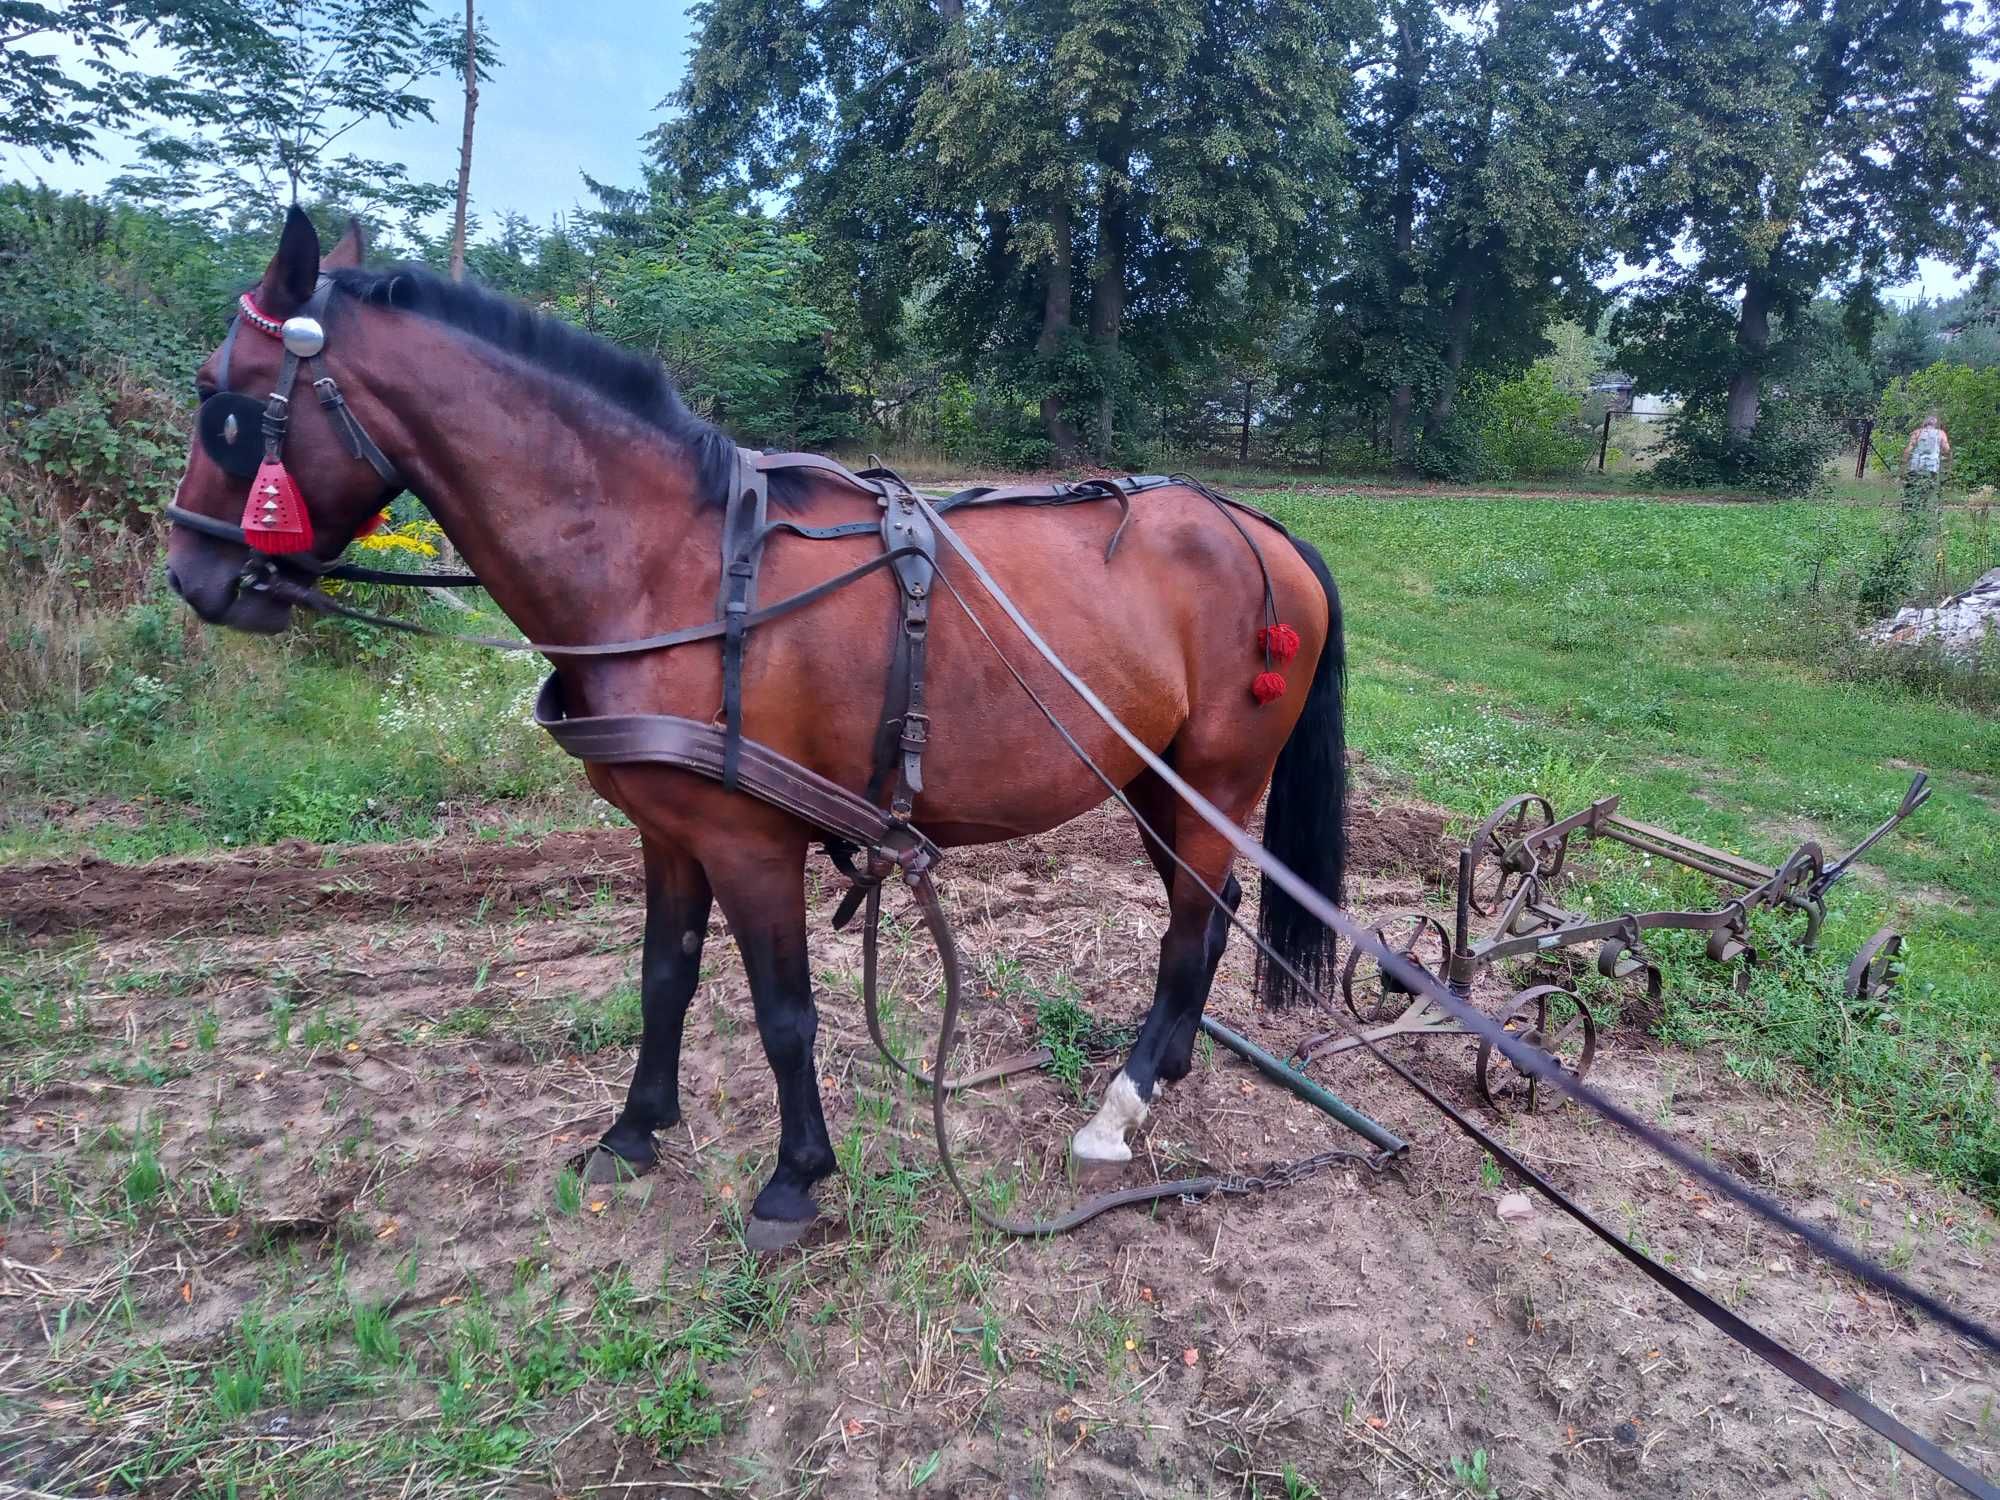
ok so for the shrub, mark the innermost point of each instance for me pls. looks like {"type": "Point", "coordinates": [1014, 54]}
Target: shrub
{"type": "Point", "coordinates": [1455, 450]}
{"type": "Point", "coordinates": [1531, 427]}
{"type": "Point", "coordinates": [1785, 454]}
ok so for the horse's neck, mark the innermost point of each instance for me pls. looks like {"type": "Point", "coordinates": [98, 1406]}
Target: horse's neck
{"type": "Point", "coordinates": [582, 522]}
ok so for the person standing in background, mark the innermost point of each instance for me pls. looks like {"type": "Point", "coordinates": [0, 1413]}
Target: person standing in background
{"type": "Point", "coordinates": [1923, 460]}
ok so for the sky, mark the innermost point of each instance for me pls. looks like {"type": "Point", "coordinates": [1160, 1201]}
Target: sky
{"type": "Point", "coordinates": [581, 81]}
{"type": "Point", "coordinates": [579, 84]}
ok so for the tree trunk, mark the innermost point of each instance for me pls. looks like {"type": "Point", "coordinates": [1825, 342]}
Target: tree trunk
{"type": "Point", "coordinates": [1753, 339]}
{"type": "Point", "coordinates": [1402, 273]}
{"type": "Point", "coordinates": [1107, 300]}
{"type": "Point", "coordinates": [1056, 299]}
{"type": "Point", "coordinates": [1243, 448]}
{"type": "Point", "coordinates": [1457, 339]}
{"type": "Point", "coordinates": [1401, 400]}
{"type": "Point", "coordinates": [465, 146]}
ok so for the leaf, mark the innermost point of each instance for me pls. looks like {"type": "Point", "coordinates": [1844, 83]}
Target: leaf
{"type": "Point", "coordinates": [927, 1468]}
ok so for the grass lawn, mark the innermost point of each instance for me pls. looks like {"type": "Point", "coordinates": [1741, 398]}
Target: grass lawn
{"type": "Point", "coordinates": [1503, 645]}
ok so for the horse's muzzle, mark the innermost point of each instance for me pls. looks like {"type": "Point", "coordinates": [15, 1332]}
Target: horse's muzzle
{"type": "Point", "coordinates": [218, 596]}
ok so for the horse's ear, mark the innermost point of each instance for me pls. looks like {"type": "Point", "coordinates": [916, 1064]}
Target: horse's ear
{"type": "Point", "coordinates": [351, 250]}
{"type": "Point", "coordinates": [294, 271]}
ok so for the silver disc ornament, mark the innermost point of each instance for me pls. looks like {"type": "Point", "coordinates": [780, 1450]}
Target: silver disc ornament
{"type": "Point", "coordinates": [303, 337]}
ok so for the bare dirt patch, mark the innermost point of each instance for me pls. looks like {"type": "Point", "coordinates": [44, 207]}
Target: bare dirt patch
{"type": "Point", "coordinates": [361, 1099]}
{"type": "Point", "coordinates": [298, 884]}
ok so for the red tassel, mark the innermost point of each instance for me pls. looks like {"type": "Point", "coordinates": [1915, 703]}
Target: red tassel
{"type": "Point", "coordinates": [1281, 641]}
{"type": "Point", "coordinates": [374, 523]}
{"type": "Point", "coordinates": [1266, 686]}
{"type": "Point", "coordinates": [274, 517]}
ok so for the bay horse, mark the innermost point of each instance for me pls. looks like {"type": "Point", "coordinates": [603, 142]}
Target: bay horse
{"type": "Point", "coordinates": [590, 501]}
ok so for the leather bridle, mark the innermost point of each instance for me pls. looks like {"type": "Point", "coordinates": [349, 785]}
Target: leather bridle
{"type": "Point", "coordinates": [276, 526]}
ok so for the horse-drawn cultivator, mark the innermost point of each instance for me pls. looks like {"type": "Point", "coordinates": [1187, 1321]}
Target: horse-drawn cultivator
{"type": "Point", "coordinates": [1510, 874]}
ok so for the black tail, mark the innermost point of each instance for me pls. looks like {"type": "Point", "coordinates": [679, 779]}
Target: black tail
{"type": "Point", "coordinates": [1306, 815]}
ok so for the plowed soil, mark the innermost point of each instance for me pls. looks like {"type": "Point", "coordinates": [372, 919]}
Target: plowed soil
{"type": "Point", "coordinates": [363, 1071]}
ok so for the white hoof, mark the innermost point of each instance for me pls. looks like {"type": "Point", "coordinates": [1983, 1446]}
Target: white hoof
{"type": "Point", "coordinates": [1103, 1139]}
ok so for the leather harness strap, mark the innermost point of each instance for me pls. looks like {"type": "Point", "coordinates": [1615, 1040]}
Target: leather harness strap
{"type": "Point", "coordinates": [905, 730]}
{"type": "Point", "coordinates": [666, 739]}
{"type": "Point", "coordinates": [742, 550]}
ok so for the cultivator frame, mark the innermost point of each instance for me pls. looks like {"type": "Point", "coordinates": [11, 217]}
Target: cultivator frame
{"type": "Point", "coordinates": [1508, 873]}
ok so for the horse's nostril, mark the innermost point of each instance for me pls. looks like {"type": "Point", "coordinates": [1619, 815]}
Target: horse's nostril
{"type": "Point", "coordinates": [174, 583]}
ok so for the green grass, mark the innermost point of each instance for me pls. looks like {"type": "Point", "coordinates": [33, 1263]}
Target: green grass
{"type": "Point", "coordinates": [198, 739]}
{"type": "Point", "coordinates": [1578, 650]}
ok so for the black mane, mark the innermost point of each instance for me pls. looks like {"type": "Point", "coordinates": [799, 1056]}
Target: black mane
{"type": "Point", "coordinates": [631, 381]}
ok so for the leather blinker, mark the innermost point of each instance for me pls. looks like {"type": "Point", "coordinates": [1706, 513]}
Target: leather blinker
{"type": "Point", "coordinates": [231, 427]}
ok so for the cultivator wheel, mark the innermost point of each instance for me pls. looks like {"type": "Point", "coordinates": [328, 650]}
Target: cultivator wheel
{"type": "Point", "coordinates": [1876, 966]}
{"type": "Point", "coordinates": [1499, 864]}
{"type": "Point", "coordinates": [1554, 1022]}
{"type": "Point", "coordinates": [1374, 998]}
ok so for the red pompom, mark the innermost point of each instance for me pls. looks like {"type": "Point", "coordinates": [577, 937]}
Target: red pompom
{"type": "Point", "coordinates": [1267, 685]}
{"type": "Point", "coordinates": [374, 523]}
{"type": "Point", "coordinates": [274, 517]}
{"type": "Point", "coordinates": [1281, 641]}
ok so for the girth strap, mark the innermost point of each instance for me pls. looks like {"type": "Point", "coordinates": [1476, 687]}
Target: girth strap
{"type": "Point", "coordinates": [665, 739]}
{"type": "Point", "coordinates": [905, 731]}
{"type": "Point", "coordinates": [742, 550]}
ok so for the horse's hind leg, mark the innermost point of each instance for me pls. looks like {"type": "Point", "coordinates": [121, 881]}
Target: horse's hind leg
{"type": "Point", "coordinates": [1189, 953]}
{"type": "Point", "coordinates": [677, 903]}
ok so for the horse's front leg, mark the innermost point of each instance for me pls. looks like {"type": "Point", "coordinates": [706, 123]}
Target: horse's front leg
{"type": "Point", "coordinates": [766, 908]}
{"type": "Point", "coordinates": [677, 903]}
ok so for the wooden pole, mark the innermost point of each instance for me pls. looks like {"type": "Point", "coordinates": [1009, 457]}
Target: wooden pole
{"type": "Point", "coordinates": [1604, 442]}
{"type": "Point", "coordinates": [1861, 452]}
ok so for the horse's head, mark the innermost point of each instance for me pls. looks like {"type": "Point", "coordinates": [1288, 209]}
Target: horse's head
{"type": "Point", "coordinates": [280, 474]}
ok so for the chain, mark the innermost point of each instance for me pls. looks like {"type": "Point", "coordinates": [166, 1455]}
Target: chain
{"type": "Point", "coordinates": [1290, 1173]}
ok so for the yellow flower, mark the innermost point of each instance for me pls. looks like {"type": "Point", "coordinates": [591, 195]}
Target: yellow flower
{"type": "Point", "coordinates": [415, 537]}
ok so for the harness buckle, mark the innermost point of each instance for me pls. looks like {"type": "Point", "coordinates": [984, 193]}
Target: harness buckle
{"type": "Point", "coordinates": [916, 731]}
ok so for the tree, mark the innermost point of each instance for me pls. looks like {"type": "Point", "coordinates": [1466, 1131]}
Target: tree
{"type": "Point", "coordinates": [331, 65]}
{"type": "Point", "coordinates": [1057, 180]}
{"type": "Point", "coordinates": [1475, 215]}
{"type": "Point", "coordinates": [718, 294]}
{"type": "Point", "coordinates": [1775, 147]}
{"type": "Point", "coordinates": [55, 105]}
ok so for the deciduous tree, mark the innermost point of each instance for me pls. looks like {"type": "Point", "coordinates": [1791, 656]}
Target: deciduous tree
{"type": "Point", "coordinates": [69, 72]}
{"type": "Point", "coordinates": [331, 66]}
{"type": "Point", "coordinates": [1778, 147]}
{"type": "Point", "coordinates": [1066, 180]}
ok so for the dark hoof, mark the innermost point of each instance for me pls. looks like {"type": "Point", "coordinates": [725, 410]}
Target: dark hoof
{"type": "Point", "coordinates": [602, 1167]}
{"type": "Point", "coordinates": [767, 1236]}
